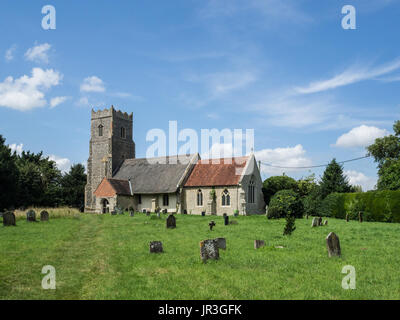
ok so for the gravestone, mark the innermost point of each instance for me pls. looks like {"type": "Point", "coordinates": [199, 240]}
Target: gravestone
{"type": "Point", "coordinates": [333, 245]}
{"type": "Point", "coordinates": [209, 250]}
{"type": "Point", "coordinates": [258, 244]}
{"type": "Point", "coordinates": [211, 225]}
{"type": "Point", "coordinates": [360, 216]}
{"type": "Point", "coordinates": [8, 219]}
{"type": "Point", "coordinates": [144, 211]}
{"type": "Point", "coordinates": [226, 220]}
{"type": "Point", "coordinates": [156, 247]}
{"type": "Point", "coordinates": [203, 213]}
{"type": "Point", "coordinates": [307, 216]}
{"type": "Point", "coordinates": [221, 243]}
{"type": "Point", "coordinates": [131, 213]}
{"type": "Point", "coordinates": [171, 221]}
{"type": "Point", "coordinates": [320, 221]}
{"type": "Point", "coordinates": [113, 212]}
{"type": "Point", "coordinates": [325, 222]}
{"type": "Point", "coordinates": [185, 211]}
{"type": "Point", "coordinates": [44, 216]}
{"type": "Point", "coordinates": [347, 217]}
{"type": "Point", "coordinates": [31, 216]}
{"type": "Point", "coordinates": [314, 222]}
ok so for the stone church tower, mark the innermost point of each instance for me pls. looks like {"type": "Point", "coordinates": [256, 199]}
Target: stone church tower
{"type": "Point", "coordinates": [111, 142]}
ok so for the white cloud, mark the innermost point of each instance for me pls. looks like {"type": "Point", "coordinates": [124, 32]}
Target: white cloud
{"type": "Point", "coordinates": [361, 136]}
{"type": "Point", "coordinates": [63, 164]}
{"type": "Point", "coordinates": [360, 179]}
{"type": "Point", "coordinates": [38, 53]}
{"type": "Point", "coordinates": [10, 53]}
{"type": "Point", "coordinates": [83, 101]}
{"type": "Point", "coordinates": [283, 157]}
{"type": "Point", "coordinates": [54, 102]}
{"type": "Point", "coordinates": [26, 93]}
{"type": "Point", "coordinates": [351, 75]}
{"type": "Point", "coordinates": [92, 84]}
{"type": "Point", "coordinates": [16, 147]}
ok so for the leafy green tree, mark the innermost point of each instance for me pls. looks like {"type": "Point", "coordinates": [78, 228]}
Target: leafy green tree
{"type": "Point", "coordinates": [276, 183]}
{"type": "Point", "coordinates": [386, 152]}
{"type": "Point", "coordinates": [333, 180]}
{"type": "Point", "coordinates": [73, 186]}
{"type": "Point", "coordinates": [8, 176]}
{"type": "Point", "coordinates": [284, 203]}
{"type": "Point", "coordinates": [289, 226]}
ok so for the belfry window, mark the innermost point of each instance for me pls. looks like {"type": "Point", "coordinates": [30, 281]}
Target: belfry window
{"type": "Point", "coordinates": [226, 198]}
{"type": "Point", "coordinates": [100, 130]}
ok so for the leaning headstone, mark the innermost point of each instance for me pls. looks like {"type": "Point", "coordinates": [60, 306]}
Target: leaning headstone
{"type": "Point", "coordinates": [333, 245]}
{"type": "Point", "coordinates": [156, 247]}
{"type": "Point", "coordinates": [314, 222]}
{"type": "Point", "coordinates": [320, 221]}
{"type": "Point", "coordinates": [44, 216]}
{"type": "Point", "coordinates": [221, 243]}
{"type": "Point", "coordinates": [209, 250]}
{"type": "Point", "coordinates": [171, 221]}
{"type": "Point", "coordinates": [347, 217]}
{"type": "Point", "coordinates": [31, 216]}
{"type": "Point", "coordinates": [325, 222]}
{"type": "Point", "coordinates": [226, 220]}
{"type": "Point", "coordinates": [258, 244]}
{"type": "Point", "coordinates": [360, 216]}
{"type": "Point", "coordinates": [8, 219]}
{"type": "Point", "coordinates": [211, 225]}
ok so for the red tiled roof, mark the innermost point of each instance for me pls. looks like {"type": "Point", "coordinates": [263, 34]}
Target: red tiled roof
{"type": "Point", "coordinates": [110, 187]}
{"type": "Point", "coordinates": [225, 173]}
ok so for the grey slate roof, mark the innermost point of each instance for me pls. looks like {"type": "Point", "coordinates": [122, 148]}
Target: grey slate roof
{"type": "Point", "coordinates": [149, 177]}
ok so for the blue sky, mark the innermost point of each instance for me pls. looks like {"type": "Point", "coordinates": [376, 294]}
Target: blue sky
{"type": "Point", "coordinates": [287, 69]}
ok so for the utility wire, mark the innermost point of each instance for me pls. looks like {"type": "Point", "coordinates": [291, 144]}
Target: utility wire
{"type": "Point", "coordinates": [317, 166]}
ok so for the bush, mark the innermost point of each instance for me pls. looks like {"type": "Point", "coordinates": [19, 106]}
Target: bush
{"type": "Point", "coordinates": [379, 206]}
{"type": "Point", "coordinates": [285, 202]}
{"type": "Point", "coordinates": [277, 183]}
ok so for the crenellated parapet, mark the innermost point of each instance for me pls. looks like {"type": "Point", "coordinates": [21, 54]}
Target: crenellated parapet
{"type": "Point", "coordinates": [112, 112]}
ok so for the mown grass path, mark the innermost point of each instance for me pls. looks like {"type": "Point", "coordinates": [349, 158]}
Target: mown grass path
{"type": "Point", "coordinates": [107, 257]}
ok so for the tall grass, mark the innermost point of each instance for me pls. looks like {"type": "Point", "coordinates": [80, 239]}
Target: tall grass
{"type": "Point", "coordinates": [60, 212]}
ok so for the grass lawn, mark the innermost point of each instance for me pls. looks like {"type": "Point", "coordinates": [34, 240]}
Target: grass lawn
{"type": "Point", "coordinates": [107, 257]}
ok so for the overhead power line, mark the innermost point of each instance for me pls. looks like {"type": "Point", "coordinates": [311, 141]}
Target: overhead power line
{"type": "Point", "coordinates": [310, 167]}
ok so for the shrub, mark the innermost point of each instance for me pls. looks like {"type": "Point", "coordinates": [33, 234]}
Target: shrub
{"type": "Point", "coordinates": [285, 202]}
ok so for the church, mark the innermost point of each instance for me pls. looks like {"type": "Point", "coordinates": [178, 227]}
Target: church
{"type": "Point", "coordinates": [183, 184]}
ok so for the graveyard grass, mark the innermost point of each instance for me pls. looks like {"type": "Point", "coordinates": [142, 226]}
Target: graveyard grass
{"type": "Point", "coordinates": [107, 257]}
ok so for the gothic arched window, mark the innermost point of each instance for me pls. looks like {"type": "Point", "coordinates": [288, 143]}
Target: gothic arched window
{"type": "Point", "coordinates": [226, 198]}
{"type": "Point", "coordinates": [100, 130]}
{"type": "Point", "coordinates": [199, 198]}
{"type": "Point", "coordinates": [250, 192]}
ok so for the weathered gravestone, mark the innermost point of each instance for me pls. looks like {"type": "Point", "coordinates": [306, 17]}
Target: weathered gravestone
{"type": "Point", "coordinates": [226, 220]}
{"type": "Point", "coordinates": [44, 216]}
{"type": "Point", "coordinates": [258, 244]}
{"type": "Point", "coordinates": [209, 250]}
{"type": "Point", "coordinates": [325, 222]}
{"type": "Point", "coordinates": [156, 247]}
{"type": "Point", "coordinates": [171, 221]}
{"type": "Point", "coordinates": [8, 219]}
{"type": "Point", "coordinates": [319, 221]}
{"type": "Point", "coordinates": [360, 217]}
{"type": "Point", "coordinates": [221, 243]}
{"type": "Point", "coordinates": [211, 225]}
{"type": "Point", "coordinates": [333, 245]}
{"type": "Point", "coordinates": [31, 216]}
{"type": "Point", "coordinates": [314, 222]}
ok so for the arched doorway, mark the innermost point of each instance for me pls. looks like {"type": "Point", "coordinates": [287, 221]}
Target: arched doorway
{"type": "Point", "coordinates": [104, 205]}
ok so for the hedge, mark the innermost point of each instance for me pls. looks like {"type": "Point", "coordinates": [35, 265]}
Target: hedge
{"type": "Point", "coordinates": [381, 206]}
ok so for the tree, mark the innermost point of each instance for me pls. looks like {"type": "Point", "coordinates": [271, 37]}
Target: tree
{"type": "Point", "coordinates": [333, 180]}
{"type": "Point", "coordinates": [289, 227]}
{"type": "Point", "coordinates": [276, 183]}
{"type": "Point", "coordinates": [8, 176]}
{"type": "Point", "coordinates": [284, 203]}
{"type": "Point", "coordinates": [73, 186]}
{"type": "Point", "coordinates": [386, 152]}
